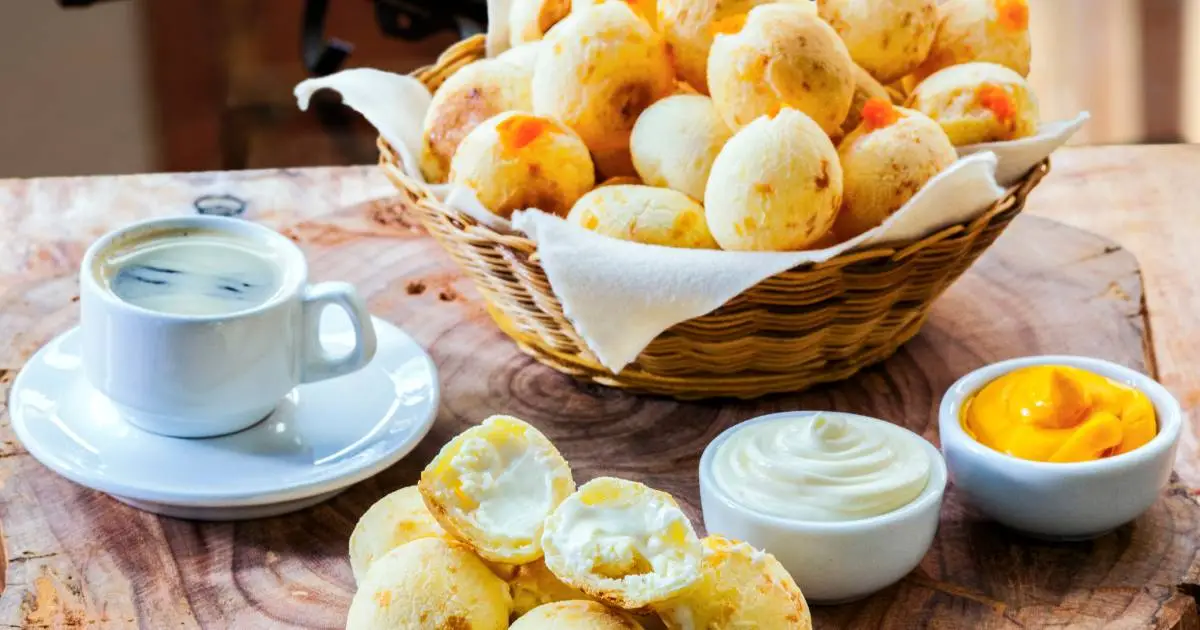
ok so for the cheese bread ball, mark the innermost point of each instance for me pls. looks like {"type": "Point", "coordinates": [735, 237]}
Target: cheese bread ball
{"type": "Point", "coordinates": [621, 180]}
{"type": "Point", "coordinates": [898, 91]}
{"type": "Point", "coordinates": [623, 543]}
{"type": "Point", "coordinates": [995, 31]}
{"type": "Point", "coordinates": [683, 87]}
{"type": "Point", "coordinates": [978, 102]}
{"type": "Point", "coordinates": [645, 9]}
{"type": "Point", "coordinates": [644, 214]}
{"type": "Point", "coordinates": [470, 96]}
{"type": "Point", "coordinates": [690, 25]}
{"type": "Point", "coordinates": [885, 162]}
{"type": "Point", "coordinates": [776, 186]}
{"type": "Point", "coordinates": [493, 485]}
{"type": "Point", "coordinates": [742, 587]}
{"type": "Point", "coordinates": [430, 583]}
{"type": "Point", "coordinates": [515, 161]}
{"type": "Point", "coordinates": [533, 585]}
{"type": "Point", "coordinates": [785, 56]}
{"type": "Point", "coordinates": [865, 89]}
{"type": "Point", "coordinates": [649, 621]}
{"type": "Point", "coordinates": [675, 141]}
{"type": "Point", "coordinates": [524, 56]}
{"type": "Point", "coordinates": [829, 240]}
{"type": "Point", "coordinates": [528, 20]}
{"type": "Point", "coordinates": [575, 615]}
{"type": "Point", "coordinates": [888, 38]}
{"type": "Point", "coordinates": [614, 162]}
{"type": "Point", "coordinates": [397, 518]}
{"type": "Point", "coordinates": [602, 66]}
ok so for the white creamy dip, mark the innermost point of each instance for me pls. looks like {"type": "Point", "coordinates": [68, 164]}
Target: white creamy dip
{"type": "Point", "coordinates": [822, 467]}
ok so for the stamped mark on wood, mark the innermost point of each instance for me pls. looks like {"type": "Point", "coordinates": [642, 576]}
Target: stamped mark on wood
{"type": "Point", "coordinates": [220, 205]}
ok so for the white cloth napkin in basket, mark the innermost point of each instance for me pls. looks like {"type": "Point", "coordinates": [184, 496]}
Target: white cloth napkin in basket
{"type": "Point", "coordinates": [621, 295]}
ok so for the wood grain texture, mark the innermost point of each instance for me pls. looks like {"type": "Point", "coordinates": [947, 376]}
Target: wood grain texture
{"type": "Point", "coordinates": [76, 558]}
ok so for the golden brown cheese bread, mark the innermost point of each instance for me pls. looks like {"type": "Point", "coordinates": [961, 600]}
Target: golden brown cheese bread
{"type": "Point", "coordinates": [621, 180]}
{"type": "Point", "coordinates": [397, 518]}
{"type": "Point", "coordinates": [528, 20]}
{"type": "Point", "coordinates": [514, 161]}
{"type": "Point", "coordinates": [689, 27]}
{"type": "Point", "coordinates": [622, 543]}
{"type": "Point", "coordinates": [493, 485]}
{"type": "Point", "coordinates": [741, 587]}
{"type": "Point", "coordinates": [978, 102]}
{"type": "Point", "coordinates": [891, 156]}
{"type": "Point", "coordinates": [675, 142]}
{"type": "Point", "coordinates": [865, 88]}
{"type": "Point", "coordinates": [887, 38]}
{"type": "Point", "coordinates": [995, 31]}
{"type": "Point", "coordinates": [524, 56]}
{"type": "Point", "coordinates": [644, 214]}
{"type": "Point", "coordinates": [784, 56]}
{"type": "Point", "coordinates": [776, 186]}
{"type": "Point", "coordinates": [575, 615]}
{"type": "Point", "coordinates": [533, 585]}
{"type": "Point", "coordinates": [470, 96]}
{"type": "Point", "coordinates": [645, 9]}
{"type": "Point", "coordinates": [430, 583]}
{"type": "Point", "coordinates": [600, 68]}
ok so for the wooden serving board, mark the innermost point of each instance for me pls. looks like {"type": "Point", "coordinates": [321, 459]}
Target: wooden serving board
{"type": "Point", "coordinates": [76, 558]}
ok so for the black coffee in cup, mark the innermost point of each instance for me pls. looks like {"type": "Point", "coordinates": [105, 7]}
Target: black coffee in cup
{"type": "Point", "coordinates": [191, 272]}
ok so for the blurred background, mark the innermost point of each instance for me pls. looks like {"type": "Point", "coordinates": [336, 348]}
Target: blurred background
{"type": "Point", "coordinates": [124, 86]}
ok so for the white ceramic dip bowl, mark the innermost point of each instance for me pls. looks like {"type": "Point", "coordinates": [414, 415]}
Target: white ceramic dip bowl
{"type": "Point", "coordinates": [831, 561]}
{"type": "Point", "coordinates": [1063, 501]}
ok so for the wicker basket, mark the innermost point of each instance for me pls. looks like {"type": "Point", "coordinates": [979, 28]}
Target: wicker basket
{"type": "Point", "coordinates": [813, 324]}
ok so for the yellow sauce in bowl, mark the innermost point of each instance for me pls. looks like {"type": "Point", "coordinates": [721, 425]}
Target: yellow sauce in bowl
{"type": "Point", "coordinates": [1056, 413]}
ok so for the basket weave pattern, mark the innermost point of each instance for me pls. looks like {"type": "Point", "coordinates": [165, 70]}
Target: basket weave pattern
{"type": "Point", "coordinates": [814, 324]}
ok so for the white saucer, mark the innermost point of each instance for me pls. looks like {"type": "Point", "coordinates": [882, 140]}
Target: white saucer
{"type": "Point", "coordinates": [322, 438]}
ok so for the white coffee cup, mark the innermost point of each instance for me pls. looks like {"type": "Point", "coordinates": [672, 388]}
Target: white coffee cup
{"type": "Point", "coordinates": [208, 375]}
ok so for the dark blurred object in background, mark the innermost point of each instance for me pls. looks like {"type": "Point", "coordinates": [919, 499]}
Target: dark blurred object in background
{"type": "Point", "coordinates": [80, 3]}
{"type": "Point", "coordinates": [415, 20]}
{"type": "Point", "coordinates": [411, 20]}
{"type": "Point", "coordinates": [403, 19]}
{"type": "Point", "coordinates": [119, 86]}
{"type": "Point", "coordinates": [223, 83]}
{"type": "Point", "coordinates": [222, 89]}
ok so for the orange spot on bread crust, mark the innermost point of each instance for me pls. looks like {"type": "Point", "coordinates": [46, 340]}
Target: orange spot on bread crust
{"type": "Point", "coordinates": [1013, 14]}
{"type": "Point", "coordinates": [998, 100]}
{"type": "Point", "coordinates": [518, 132]}
{"type": "Point", "coordinates": [878, 113]}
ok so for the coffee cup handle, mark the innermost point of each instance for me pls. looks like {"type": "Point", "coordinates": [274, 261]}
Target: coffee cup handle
{"type": "Point", "coordinates": [317, 363]}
